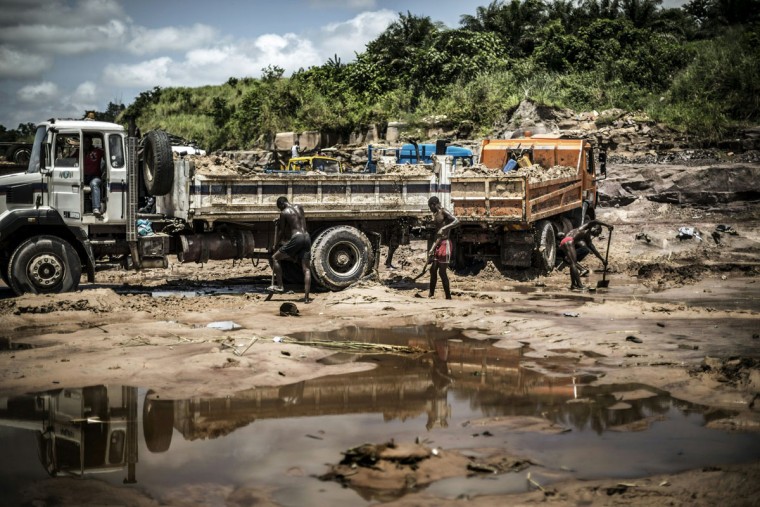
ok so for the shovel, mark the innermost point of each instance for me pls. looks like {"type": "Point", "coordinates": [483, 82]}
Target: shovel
{"type": "Point", "coordinates": [604, 283]}
{"type": "Point", "coordinates": [422, 272]}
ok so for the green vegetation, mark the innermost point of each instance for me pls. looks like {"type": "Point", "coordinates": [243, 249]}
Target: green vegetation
{"type": "Point", "coordinates": [696, 68]}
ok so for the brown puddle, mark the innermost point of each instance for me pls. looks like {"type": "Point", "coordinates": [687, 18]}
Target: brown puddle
{"type": "Point", "coordinates": [464, 395]}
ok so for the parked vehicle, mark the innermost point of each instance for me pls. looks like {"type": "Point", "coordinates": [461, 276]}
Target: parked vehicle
{"type": "Point", "coordinates": [315, 163]}
{"type": "Point", "coordinates": [417, 154]}
{"type": "Point", "coordinates": [513, 218]}
{"type": "Point", "coordinates": [49, 235]}
{"type": "Point", "coordinates": [16, 152]}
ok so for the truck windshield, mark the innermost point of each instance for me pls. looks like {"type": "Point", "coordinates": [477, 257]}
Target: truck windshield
{"type": "Point", "coordinates": [34, 159]}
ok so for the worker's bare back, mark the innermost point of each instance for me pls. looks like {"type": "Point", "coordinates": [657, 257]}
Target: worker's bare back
{"type": "Point", "coordinates": [293, 220]}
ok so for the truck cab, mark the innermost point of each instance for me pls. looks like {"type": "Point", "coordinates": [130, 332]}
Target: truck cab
{"type": "Point", "coordinates": [55, 176]}
{"type": "Point", "coordinates": [47, 224]}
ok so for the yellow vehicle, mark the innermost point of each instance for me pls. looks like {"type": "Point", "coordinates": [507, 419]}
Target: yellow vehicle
{"type": "Point", "coordinates": [316, 163]}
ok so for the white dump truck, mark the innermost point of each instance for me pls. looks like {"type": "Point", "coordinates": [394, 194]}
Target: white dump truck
{"type": "Point", "coordinates": [49, 235]}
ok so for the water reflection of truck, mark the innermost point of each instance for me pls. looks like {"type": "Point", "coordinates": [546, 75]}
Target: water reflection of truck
{"type": "Point", "coordinates": [79, 431]}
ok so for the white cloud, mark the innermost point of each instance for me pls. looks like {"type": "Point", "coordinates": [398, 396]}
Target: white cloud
{"type": "Point", "coordinates": [146, 41]}
{"type": "Point", "coordinates": [87, 91]}
{"type": "Point", "coordinates": [353, 35]}
{"type": "Point", "coordinates": [142, 75]}
{"type": "Point", "coordinates": [40, 92]}
{"type": "Point", "coordinates": [19, 64]}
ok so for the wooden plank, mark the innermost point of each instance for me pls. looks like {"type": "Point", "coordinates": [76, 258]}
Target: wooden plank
{"type": "Point", "coordinates": [555, 193]}
{"type": "Point", "coordinates": [555, 211]}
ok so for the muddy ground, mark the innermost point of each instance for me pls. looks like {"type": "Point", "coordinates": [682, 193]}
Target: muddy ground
{"type": "Point", "coordinates": [680, 315]}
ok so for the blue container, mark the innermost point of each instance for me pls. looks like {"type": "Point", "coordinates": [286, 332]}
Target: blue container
{"type": "Point", "coordinates": [510, 165]}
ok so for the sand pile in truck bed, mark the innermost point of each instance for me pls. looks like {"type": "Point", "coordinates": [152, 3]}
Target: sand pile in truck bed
{"type": "Point", "coordinates": [535, 173]}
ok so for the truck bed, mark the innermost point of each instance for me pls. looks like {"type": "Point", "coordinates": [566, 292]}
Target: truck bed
{"type": "Point", "coordinates": [253, 198]}
{"type": "Point", "coordinates": [513, 199]}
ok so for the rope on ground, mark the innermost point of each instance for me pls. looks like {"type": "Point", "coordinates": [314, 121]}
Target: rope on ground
{"type": "Point", "coordinates": [362, 346]}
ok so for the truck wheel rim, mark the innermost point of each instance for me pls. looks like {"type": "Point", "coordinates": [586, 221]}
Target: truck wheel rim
{"type": "Point", "coordinates": [344, 258]}
{"type": "Point", "coordinates": [45, 270]}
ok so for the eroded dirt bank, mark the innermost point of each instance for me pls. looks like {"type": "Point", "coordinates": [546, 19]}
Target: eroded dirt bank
{"type": "Point", "coordinates": [690, 305]}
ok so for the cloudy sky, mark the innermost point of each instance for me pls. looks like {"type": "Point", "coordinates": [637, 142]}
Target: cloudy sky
{"type": "Point", "coordinates": [62, 57]}
{"type": "Point", "coordinates": [59, 58]}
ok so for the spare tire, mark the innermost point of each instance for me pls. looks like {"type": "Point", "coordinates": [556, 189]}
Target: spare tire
{"type": "Point", "coordinates": [158, 164]}
{"type": "Point", "coordinates": [340, 257]}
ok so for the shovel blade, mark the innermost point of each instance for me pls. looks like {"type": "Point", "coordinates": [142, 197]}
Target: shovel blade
{"type": "Point", "coordinates": [602, 284]}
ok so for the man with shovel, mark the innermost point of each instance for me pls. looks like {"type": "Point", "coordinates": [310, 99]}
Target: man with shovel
{"type": "Point", "coordinates": [439, 255]}
{"type": "Point", "coordinates": [577, 238]}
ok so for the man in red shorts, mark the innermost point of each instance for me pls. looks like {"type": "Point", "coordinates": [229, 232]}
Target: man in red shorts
{"type": "Point", "coordinates": [439, 255]}
{"type": "Point", "coordinates": [577, 238]}
{"type": "Point", "coordinates": [297, 249]}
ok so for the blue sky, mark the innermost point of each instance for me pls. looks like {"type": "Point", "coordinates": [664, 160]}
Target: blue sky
{"type": "Point", "coordinates": [59, 58]}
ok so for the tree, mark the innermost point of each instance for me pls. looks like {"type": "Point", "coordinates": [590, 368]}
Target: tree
{"type": "Point", "coordinates": [642, 13]}
{"type": "Point", "coordinates": [514, 22]}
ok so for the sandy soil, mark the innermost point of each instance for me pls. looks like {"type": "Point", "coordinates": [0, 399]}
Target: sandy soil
{"type": "Point", "coordinates": [691, 303]}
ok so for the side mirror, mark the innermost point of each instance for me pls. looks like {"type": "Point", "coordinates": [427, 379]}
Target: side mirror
{"type": "Point", "coordinates": [603, 163]}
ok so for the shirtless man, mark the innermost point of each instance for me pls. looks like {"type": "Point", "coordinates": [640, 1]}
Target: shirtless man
{"type": "Point", "coordinates": [297, 249]}
{"type": "Point", "coordinates": [577, 238]}
{"type": "Point", "coordinates": [440, 254]}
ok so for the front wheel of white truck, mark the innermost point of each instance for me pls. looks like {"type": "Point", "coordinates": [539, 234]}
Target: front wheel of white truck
{"type": "Point", "coordinates": [340, 256]}
{"type": "Point", "coordinates": [44, 264]}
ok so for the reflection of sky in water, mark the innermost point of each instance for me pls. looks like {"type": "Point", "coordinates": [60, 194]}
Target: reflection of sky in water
{"type": "Point", "coordinates": [268, 432]}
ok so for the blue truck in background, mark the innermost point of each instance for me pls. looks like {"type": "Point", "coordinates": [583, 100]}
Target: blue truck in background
{"type": "Point", "coordinates": [417, 154]}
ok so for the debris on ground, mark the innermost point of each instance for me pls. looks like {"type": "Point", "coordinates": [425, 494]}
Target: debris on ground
{"type": "Point", "coordinates": [224, 325]}
{"type": "Point", "coordinates": [289, 309]}
{"type": "Point", "coordinates": [688, 233]}
{"type": "Point", "coordinates": [390, 470]}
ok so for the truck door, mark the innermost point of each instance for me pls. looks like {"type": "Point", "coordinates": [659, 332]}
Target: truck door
{"type": "Point", "coordinates": [115, 179]}
{"type": "Point", "coordinates": [65, 179]}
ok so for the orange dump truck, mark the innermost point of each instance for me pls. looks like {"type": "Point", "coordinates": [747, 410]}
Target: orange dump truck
{"type": "Point", "coordinates": [514, 217]}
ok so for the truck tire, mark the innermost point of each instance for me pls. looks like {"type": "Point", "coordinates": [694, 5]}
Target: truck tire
{"type": "Point", "coordinates": [4, 262]}
{"type": "Point", "coordinates": [341, 256]}
{"type": "Point", "coordinates": [44, 264]}
{"type": "Point", "coordinates": [158, 164]}
{"type": "Point", "coordinates": [158, 423]}
{"type": "Point", "coordinates": [18, 154]}
{"type": "Point", "coordinates": [545, 240]}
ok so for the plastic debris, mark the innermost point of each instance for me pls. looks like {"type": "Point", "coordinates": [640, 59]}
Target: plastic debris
{"type": "Point", "coordinates": [224, 325]}
{"type": "Point", "coordinates": [571, 314]}
{"type": "Point", "coordinates": [688, 233]}
{"type": "Point", "coordinates": [144, 227]}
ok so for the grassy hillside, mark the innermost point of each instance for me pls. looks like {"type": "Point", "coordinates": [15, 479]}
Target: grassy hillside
{"type": "Point", "coordinates": [696, 68]}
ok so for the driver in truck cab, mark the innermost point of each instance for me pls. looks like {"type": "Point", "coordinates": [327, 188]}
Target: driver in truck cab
{"type": "Point", "coordinates": [94, 164]}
